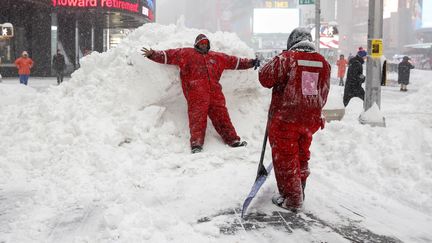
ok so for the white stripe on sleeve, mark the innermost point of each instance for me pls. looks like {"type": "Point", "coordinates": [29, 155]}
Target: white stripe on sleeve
{"type": "Point", "coordinates": [238, 63]}
{"type": "Point", "coordinates": [165, 57]}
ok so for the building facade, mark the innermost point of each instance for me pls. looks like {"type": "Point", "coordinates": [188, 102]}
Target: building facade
{"type": "Point", "coordinates": [75, 27]}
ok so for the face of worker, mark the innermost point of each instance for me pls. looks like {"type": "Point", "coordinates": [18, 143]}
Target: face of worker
{"type": "Point", "coordinates": [203, 46]}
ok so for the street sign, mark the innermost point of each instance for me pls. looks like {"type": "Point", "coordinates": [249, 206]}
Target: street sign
{"type": "Point", "coordinates": [304, 2]}
{"type": "Point", "coordinates": [377, 48]}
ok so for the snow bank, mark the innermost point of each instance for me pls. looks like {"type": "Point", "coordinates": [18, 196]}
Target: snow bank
{"type": "Point", "coordinates": [61, 160]}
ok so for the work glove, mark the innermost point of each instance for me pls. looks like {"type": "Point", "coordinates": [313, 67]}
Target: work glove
{"type": "Point", "coordinates": [256, 63]}
{"type": "Point", "coordinates": [362, 78]}
{"type": "Point", "coordinates": [147, 52]}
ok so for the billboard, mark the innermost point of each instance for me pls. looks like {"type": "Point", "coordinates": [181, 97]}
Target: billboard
{"type": "Point", "coordinates": [275, 20]}
{"type": "Point", "coordinates": [142, 7]}
{"type": "Point", "coordinates": [426, 14]}
{"type": "Point", "coordinates": [329, 35]}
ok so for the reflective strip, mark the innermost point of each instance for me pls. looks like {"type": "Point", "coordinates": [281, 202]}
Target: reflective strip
{"type": "Point", "coordinates": [165, 57]}
{"type": "Point", "coordinates": [310, 63]}
{"type": "Point", "coordinates": [238, 63]}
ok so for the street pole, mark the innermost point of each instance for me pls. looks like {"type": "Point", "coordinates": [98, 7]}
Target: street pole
{"type": "Point", "coordinates": [374, 65]}
{"type": "Point", "coordinates": [317, 23]}
{"type": "Point", "coordinates": [76, 42]}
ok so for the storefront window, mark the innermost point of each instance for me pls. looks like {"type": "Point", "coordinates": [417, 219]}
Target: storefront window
{"type": "Point", "coordinates": [6, 56]}
{"type": "Point", "coordinates": [113, 37]}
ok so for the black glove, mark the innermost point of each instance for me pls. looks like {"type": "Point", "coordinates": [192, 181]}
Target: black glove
{"type": "Point", "coordinates": [362, 78]}
{"type": "Point", "coordinates": [256, 63]}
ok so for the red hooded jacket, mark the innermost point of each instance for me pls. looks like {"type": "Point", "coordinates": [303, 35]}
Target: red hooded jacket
{"type": "Point", "coordinates": [288, 102]}
{"type": "Point", "coordinates": [200, 71]}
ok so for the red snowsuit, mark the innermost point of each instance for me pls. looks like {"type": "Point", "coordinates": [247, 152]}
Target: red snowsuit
{"type": "Point", "coordinates": [294, 116]}
{"type": "Point", "coordinates": [200, 74]}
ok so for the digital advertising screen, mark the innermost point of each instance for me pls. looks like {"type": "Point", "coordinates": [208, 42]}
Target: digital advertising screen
{"type": "Point", "coordinates": [275, 20]}
{"type": "Point", "coordinates": [427, 14]}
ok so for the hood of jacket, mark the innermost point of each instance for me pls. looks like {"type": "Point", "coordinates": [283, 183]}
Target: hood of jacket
{"type": "Point", "coordinates": [300, 39]}
{"type": "Point", "coordinates": [199, 38]}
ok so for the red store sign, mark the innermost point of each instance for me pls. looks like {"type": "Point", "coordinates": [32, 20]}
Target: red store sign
{"type": "Point", "coordinates": [112, 4]}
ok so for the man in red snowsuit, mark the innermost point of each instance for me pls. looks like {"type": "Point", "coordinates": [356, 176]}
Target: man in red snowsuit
{"type": "Point", "coordinates": [300, 78]}
{"type": "Point", "coordinates": [200, 71]}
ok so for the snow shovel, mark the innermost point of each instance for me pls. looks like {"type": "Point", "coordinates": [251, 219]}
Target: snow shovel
{"type": "Point", "coordinates": [261, 176]}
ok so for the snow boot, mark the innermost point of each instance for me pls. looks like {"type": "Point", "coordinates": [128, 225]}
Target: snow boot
{"type": "Point", "coordinates": [196, 149]}
{"type": "Point", "coordinates": [238, 144]}
{"type": "Point", "coordinates": [303, 188]}
{"type": "Point", "coordinates": [279, 201]}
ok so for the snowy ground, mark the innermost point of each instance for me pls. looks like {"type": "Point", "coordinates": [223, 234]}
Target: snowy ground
{"type": "Point", "coordinates": [66, 174]}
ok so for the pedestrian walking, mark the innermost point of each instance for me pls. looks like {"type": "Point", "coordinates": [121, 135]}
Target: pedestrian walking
{"type": "Point", "coordinates": [341, 64]}
{"type": "Point", "coordinates": [404, 69]}
{"type": "Point", "coordinates": [59, 66]}
{"type": "Point", "coordinates": [355, 77]}
{"type": "Point", "coordinates": [24, 64]}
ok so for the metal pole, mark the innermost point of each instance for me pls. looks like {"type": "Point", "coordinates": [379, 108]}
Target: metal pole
{"type": "Point", "coordinates": [76, 43]}
{"type": "Point", "coordinates": [92, 36]}
{"type": "Point", "coordinates": [374, 66]}
{"type": "Point", "coordinates": [54, 37]}
{"type": "Point", "coordinates": [317, 23]}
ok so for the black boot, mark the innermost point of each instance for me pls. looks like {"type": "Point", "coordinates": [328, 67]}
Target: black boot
{"type": "Point", "coordinates": [303, 188]}
{"type": "Point", "coordinates": [196, 149]}
{"type": "Point", "coordinates": [239, 144]}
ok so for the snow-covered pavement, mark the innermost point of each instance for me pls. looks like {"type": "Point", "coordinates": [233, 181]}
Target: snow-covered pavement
{"type": "Point", "coordinates": [66, 174]}
{"type": "Point", "coordinates": [37, 83]}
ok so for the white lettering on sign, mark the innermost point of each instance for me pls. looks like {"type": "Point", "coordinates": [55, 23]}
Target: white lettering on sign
{"type": "Point", "coordinates": [118, 4]}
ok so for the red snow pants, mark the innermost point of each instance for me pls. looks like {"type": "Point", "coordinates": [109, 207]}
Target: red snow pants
{"type": "Point", "coordinates": [290, 144]}
{"type": "Point", "coordinates": [204, 99]}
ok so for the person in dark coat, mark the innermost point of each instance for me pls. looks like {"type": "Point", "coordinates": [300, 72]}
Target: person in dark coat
{"type": "Point", "coordinates": [404, 69]}
{"type": "Point", "coordinates": [355, 77]}
{"type": "Point", "coordinates": [59, 66]}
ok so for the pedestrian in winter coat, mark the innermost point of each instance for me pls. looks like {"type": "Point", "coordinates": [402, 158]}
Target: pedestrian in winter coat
{"type": "Point", "coordinates": [341, 64]}
{"type": "Point", "coordinates": [404, 69]}
{"type": "Point", "coordinates": [355, 78]}
{"type": "Point", "coordinates": [300, 81]}
{"type": "Point", "coordinates": [200, 71]}
{"type": "Point", "coordinates": [24, 64]}
{"type": "Point", "coordinates": [59, 66]}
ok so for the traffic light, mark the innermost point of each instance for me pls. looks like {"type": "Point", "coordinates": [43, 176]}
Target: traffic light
{"type": "Point", "coordinates": [6, 31]}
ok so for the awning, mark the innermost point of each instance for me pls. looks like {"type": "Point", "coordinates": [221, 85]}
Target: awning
{"type": "Point", "coordinates": [419, 46]}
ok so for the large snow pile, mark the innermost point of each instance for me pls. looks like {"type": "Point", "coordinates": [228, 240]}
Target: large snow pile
{"type": "Point", "coordinates": [61, 160]}
{"type": "Point", "coordinates": [67, 175]}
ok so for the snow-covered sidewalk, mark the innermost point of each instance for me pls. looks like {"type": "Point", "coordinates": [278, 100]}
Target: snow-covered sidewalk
{"type": "Point", "coordinates": [66, 174]}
